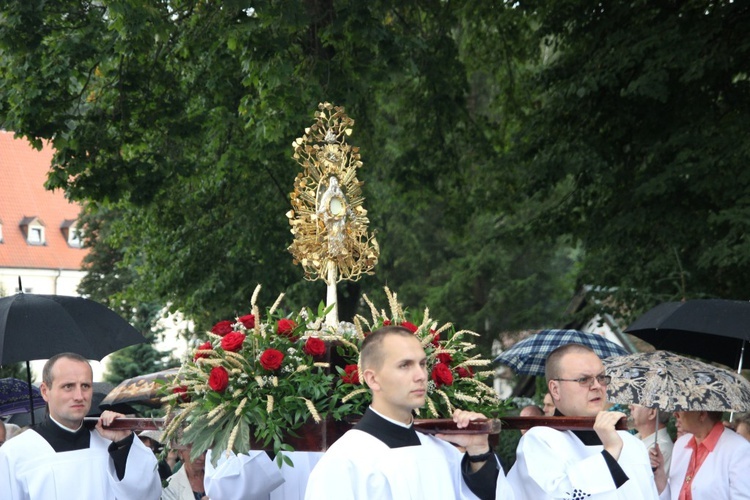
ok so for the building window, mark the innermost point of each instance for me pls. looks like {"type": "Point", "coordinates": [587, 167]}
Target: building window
{"type": "Point", "coordinates": [36, 236]}
{"type": "Point", "coordinates": [33, 229]}
{"type": "Point", "coordinates": [71, 233]}
{"type": "Point", "coordinates": [74, 238]}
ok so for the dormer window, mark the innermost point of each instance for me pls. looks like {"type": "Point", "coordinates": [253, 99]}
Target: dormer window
{"type": "Point", "coordinates": [33, 229]}
{"type": "Point", "coordinates": [71, 233]}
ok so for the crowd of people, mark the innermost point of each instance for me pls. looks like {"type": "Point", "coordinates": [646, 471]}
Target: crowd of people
{"type": "Point", "coordinates": [383, 456]}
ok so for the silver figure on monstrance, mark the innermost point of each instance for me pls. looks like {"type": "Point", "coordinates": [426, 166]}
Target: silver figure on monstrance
{"type": "Point", "coordinates": [328, 220]}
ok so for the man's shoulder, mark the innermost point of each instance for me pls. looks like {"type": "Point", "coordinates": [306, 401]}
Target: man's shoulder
{"type": "Point", "coordinates": [542, 431]}
{"type": "Point", "coordinates": [627, 437]}
{"type": "Point", "coordinates": [352, 439]}
{"type": "Point", "coordinates": [28, 435]}
{"type": "Point", "coordinates": [353, 446]}
{"type": "Point", "coordinates": [27, 443]}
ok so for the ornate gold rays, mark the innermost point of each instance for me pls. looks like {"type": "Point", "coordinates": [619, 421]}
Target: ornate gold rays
{"type": "Point", "coordinates": [328, 220]}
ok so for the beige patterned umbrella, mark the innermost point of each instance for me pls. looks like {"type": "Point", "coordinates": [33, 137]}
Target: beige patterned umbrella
{"type": "Point", "coordinates": [670, 382]}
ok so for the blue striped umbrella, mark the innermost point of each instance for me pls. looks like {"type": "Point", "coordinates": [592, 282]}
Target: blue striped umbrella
{"type": "Point", "coordinates": [529, 355]}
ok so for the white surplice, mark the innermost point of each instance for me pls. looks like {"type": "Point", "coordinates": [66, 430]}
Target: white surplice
{"type": "Point", "coordinates": [30, 469]}
{"type": "Point", "coordinates": [254, 476]}
{"type": "Point", "coordinates": [552, 464]}
{"type": "Point", "coordinates": [360, 466]}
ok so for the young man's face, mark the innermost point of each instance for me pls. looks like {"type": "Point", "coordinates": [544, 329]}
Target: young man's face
{"type": "Point", "coordinates": [69, 397]}
{"type": "Point", "coordinates": [573, 399]}
{"type": "Point", "coordinates": [400, 384]}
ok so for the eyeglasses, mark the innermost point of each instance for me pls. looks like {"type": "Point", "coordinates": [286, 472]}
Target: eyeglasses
{"type": "Point", "coordinates": [587, 381]}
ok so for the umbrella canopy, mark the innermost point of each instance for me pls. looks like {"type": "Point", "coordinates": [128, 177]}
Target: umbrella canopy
{"type": "Point", "coordinates": [14, 396]}
{"type": "Point", "coordinates": [143, 389]}
{"type": "Point", "coordinates": [529, 355]}
{"type": "Point", "coordinates": [100, 392]}
{"type": "Point", "coordinates": [24, 419]}
{"type": "Point", "coordinates": [670, 382]}
{"type": "Point", "coordinates": [40, 326]}
{"type": "Point", "coordinates": [712, 329]}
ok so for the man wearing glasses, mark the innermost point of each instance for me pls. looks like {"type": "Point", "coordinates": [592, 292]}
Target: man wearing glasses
{"type": "Point", "coordinates": [602, 463]}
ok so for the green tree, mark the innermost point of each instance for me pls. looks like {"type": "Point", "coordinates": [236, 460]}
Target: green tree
{"type": "Point", "coordinates": [636, 144]}
{"type": "Point", "coordinates": [180, 115]}
{"type": "Point", "coordinates": [14, 370]}
{"type": "Point", "coordinates": [107, 281]}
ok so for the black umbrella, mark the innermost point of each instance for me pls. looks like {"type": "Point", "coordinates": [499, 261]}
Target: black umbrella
{"type": "Point", "coordinates": [26, 419]}
{"type": "Point", "coordinates": [712, 329]}
{"type": "Point", "coordinates": [40, 326]}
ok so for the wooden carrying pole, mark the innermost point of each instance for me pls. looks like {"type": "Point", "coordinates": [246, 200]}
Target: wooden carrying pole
{"type": "Point", "coordinates": [429, 426]}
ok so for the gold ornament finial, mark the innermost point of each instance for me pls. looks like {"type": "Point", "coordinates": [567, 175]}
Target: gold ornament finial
{"type": "Point", "coordinates": [328, 220]}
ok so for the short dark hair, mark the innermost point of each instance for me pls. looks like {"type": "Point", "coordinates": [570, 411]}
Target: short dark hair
{"type": "Point", "coordinates": [47, 370]}
{"type": "Point", "coordinates": [715, 416]}
{"type": "Point", "coordinates": [371, 354]}
{"type": "Point", "coordinates": [552, 365]}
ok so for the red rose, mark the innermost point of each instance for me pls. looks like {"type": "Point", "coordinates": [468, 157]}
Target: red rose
{"type": "Point", "coordinates": [271, 359]}
{"type": "Point", "coordinates": [443, 357]}
{"type": "Point", "coordinates": [315, 347]}
{"type": "Point", "coordinates": [409, 326]}
{"type": "Point", "coordinates": [232, 341]}
{"type": "Point", "coordinates": [205, 346]}
{"type": "Point", "coordinates": [218, 380]}
{"type": "Point", "coordinates": [442, 375]}
{"type": "Point", "coordinates": [464, 372]}
{"type": "Point", "coordinates": [182, 391]}
{"type": "Point", "coordinates": [222, 328]}
{"type": "Point", "coordinates": [248, 320]}
{"type": "Point", "coordinates": [386, 322]}
{"type": "Point", "coordinates": [286, 328]}
{"type": "Point", "coordinates": [351, 375]}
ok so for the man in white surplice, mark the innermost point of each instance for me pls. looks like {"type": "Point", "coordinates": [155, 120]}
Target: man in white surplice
{"type": "Point", "coordinates": [600, 464]}
{"type": "Point", "coordinates": [61, 459]}
{"type": "Point", "coordinates": [383, 457]}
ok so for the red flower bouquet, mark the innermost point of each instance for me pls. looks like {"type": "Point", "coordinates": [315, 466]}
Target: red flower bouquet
{"type": "Point", "coordinates": [260, 378]}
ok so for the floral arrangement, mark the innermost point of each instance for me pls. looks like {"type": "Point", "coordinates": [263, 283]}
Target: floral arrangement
{"type": "Point", "coordinates": [259, 379]}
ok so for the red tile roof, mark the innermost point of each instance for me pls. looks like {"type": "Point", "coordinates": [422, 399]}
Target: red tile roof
{"type": "Point", "coordinates": [23, 171]}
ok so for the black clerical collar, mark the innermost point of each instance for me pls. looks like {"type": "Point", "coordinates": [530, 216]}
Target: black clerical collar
{"type": "Point", "coordinates": [588, 438]}
{"type": "Point", "coordinates": [63, 440]}
{"type": "Point", "coordinates": [393, 435]}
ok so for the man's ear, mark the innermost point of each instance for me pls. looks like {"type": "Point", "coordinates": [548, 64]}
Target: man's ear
{"type": "Point", "coordinates": [371, 379]}
{"type": "Point", "coordinates": [43, 389]}
{"type": "Point", "coordinates": [653, 413]}
{"type": "Point", "coordinates": [554, 389]}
